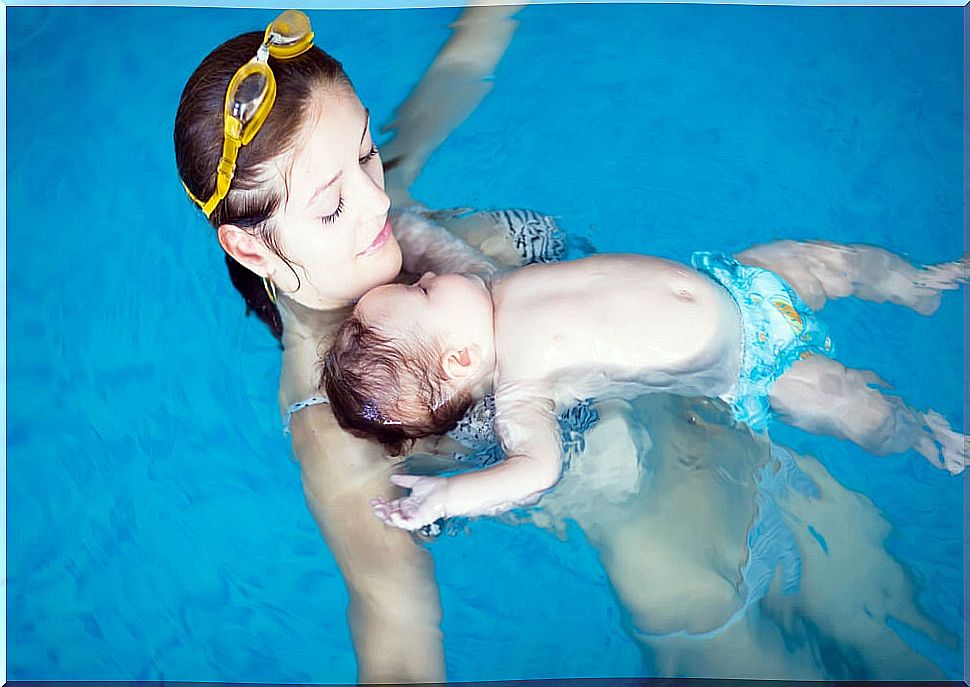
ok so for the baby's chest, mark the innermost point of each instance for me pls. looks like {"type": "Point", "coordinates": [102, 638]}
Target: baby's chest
{"type": "Point", "coordinates": [617, 336]}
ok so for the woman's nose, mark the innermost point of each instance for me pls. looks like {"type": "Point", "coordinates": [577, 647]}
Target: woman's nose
{"type": "Point", "coordinates": [374, 199]}
{"type": "Point", "coordinates": [427, 278]}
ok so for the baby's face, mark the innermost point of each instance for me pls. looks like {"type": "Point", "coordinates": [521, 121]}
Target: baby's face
{"type": "Point", "coordinates": [449, 307]}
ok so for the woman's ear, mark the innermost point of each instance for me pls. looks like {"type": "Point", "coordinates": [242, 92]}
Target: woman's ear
{"type": "Point", "coordinates": [244, 248]}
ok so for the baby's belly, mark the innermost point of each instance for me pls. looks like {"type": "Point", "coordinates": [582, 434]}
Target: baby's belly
{"type": "Point", "coordinates": [661, 337]}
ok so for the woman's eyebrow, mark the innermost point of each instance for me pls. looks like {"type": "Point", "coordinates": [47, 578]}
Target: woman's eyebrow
{"type": "Point", "coordinates": [327, 185]}
{"type": "Point", "coordinates": [323, 188]}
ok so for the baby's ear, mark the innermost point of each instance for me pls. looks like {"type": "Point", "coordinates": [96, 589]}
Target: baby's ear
{"type": "Point", "coordinates": [460, 363]}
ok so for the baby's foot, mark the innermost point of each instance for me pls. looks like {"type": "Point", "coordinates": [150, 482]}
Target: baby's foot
{"type": "Point", "coordinates": [949, 448]}
{"type": "Point", "coordinates": [923, 292]}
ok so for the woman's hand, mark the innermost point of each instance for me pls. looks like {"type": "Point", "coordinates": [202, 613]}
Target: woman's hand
{"type": "Point", "coordinates": [424, 505]}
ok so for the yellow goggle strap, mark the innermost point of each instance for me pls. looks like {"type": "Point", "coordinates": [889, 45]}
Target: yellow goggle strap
{"type": "Point", "coordinates": [227, 166]}
{"type": "Point", "coordinates": [288, 36]}
{"type": "Point", "coordinates": [237, 134]}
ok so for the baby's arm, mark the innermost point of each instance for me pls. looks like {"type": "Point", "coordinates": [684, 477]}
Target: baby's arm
{"type": "Point", "coordinates": [427, 246]}
{"type": "Point", "coordinates": [530, 434]}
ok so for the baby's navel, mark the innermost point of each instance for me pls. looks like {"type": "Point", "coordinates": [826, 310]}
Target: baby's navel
{"type": "Point", "coordinates": [684, 294]}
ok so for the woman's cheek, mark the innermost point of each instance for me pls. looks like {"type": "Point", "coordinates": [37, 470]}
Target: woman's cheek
{"type": "Point", "coordinates": [391, 259]}
{"type": "Point", "coordinates": [384, 267]}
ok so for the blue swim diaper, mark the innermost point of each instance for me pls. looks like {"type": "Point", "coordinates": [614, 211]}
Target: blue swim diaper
{"type": "Point", "coordinates": [778, 330]}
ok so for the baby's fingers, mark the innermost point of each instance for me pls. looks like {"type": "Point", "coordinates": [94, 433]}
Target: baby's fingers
{"type": "Point", "coordinates": [382, 509]}
{"type": "Point", "coordinates": [406, 522]}
{"type": "Point", "coordinates": [408, 507]}
{"type": "Point", "coordinates": [383, 514]}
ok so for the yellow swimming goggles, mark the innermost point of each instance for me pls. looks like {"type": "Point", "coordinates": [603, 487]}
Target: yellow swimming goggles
{"type": "Point", "coordinates": [251, 95]}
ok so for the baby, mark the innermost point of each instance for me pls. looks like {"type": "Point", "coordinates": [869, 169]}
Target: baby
{"type": "Point", "coordinates": [411, 359]}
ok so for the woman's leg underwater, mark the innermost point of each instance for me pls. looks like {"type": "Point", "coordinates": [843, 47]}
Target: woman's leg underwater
{"type": "Point", "coordinates": [846, 616]}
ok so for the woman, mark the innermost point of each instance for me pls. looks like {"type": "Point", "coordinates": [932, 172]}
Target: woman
{"type": "Point", "coordinates": [302, 213]}
{"type": "Point", "coordinates": [304, 223]}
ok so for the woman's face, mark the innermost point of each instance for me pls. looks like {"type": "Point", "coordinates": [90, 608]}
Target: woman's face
{"type": "Point", "coordinates": [333, 227]}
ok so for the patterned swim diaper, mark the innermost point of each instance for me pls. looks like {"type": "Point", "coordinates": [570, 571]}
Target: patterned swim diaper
{"type": "Point", "coordinates": [778, 330]}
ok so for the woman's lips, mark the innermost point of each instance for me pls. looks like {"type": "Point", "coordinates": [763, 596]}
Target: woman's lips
{"type": "Point", "coordinates": [378, 241]}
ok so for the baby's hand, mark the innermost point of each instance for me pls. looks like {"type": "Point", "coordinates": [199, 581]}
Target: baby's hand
{"type": "Point", "coordinates": [424, 505]}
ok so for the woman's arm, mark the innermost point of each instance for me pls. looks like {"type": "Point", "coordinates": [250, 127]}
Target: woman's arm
{"type": "Point", "coordinates": [394, 611]}
{"type": "Point", "coordinates": [450, 90]}
{"type": "Point", "coordinates": [427, 246]}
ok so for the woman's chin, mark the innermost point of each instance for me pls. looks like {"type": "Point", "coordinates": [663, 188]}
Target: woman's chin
{"type": "Point", "coordinates": [381, 267]}
{"type": "Point", "coordinates": [386, 263]}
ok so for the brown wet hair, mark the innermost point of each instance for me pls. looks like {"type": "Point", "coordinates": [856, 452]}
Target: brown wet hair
{"type": "Point", "coordinates": [254, 197]}
{"type": "Point", "coordinates": [380, 389]}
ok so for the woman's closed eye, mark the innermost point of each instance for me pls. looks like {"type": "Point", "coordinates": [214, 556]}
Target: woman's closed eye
{"type": "Point", "coordinates": [329, 219]}
{"type": "Point", "coordinates": [369, 156]}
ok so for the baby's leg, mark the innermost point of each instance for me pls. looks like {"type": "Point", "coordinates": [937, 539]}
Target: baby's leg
{"type": "Point", "coordinates": [822, 396]}
{"type": "Point", "coordinates": [820, 270]}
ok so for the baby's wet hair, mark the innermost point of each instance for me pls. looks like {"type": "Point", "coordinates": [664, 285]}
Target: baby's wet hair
{"type": "Point", "coordinates": [388, 390]}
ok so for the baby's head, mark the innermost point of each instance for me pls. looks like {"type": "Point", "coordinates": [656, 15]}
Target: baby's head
{"type": "Point", "coordinates": [410, 360]}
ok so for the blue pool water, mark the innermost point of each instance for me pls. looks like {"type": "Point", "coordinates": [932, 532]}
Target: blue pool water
{"type": "Point", "coordinates": [156, 528]}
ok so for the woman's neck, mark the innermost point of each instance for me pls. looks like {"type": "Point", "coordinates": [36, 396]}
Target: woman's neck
{"type": "Point", "coordinates": [306, 333]}
{"type": "Point", "coordinates": [301, 322]}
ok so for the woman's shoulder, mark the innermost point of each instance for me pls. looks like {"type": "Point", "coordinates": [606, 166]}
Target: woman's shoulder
{"type": "Point", "coordinates": [317, 439]}
{"type": "Point", "coordinates": [300, 368]}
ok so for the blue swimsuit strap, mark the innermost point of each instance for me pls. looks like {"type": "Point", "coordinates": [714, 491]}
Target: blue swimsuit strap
{"type": "Point", "coordinates": [300, 405]}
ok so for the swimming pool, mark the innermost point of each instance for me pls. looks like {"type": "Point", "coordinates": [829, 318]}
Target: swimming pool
{"type": "Point", "coordinates": [156, 529]}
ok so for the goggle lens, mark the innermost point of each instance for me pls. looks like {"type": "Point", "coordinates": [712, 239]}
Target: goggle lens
{"type": "Point", "coordinates": [248, 95]}
{"type": "Point", "coordinates": [289, 34]}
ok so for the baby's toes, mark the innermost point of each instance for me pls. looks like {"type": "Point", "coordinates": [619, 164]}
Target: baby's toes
{"type": "Point", "coordinates": [956, 461]}
{"type": "Point", "coordinates": [953, 445]}
{"type": "Point", "coordinates": [945, 275]}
